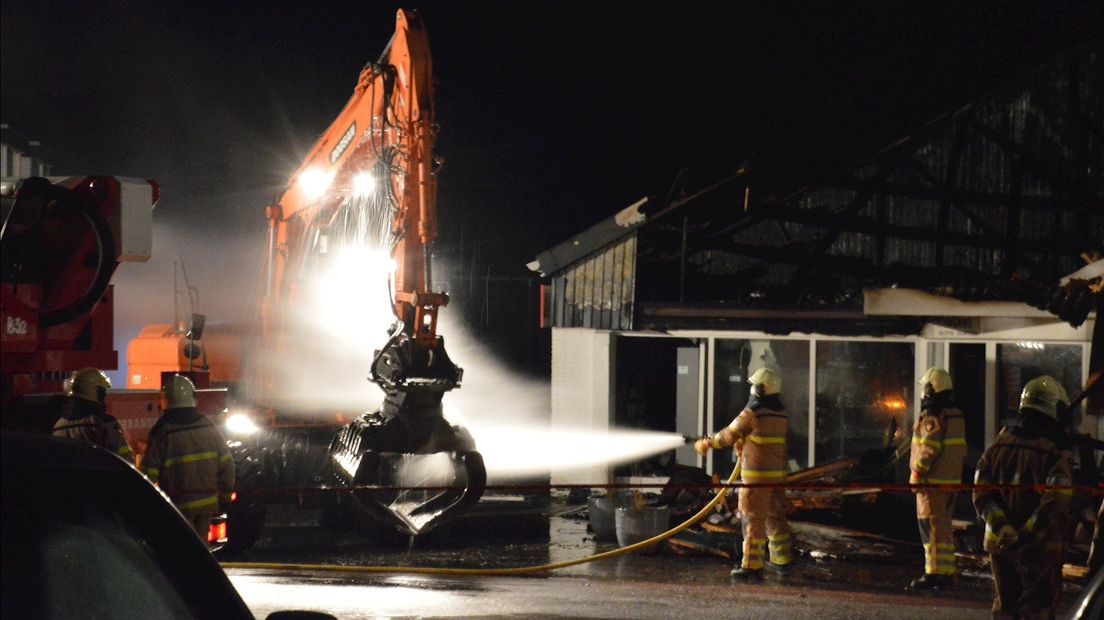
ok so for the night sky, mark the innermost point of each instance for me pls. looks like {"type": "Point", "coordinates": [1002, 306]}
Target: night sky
{"type": "Point", "coordinates": [553, 115]}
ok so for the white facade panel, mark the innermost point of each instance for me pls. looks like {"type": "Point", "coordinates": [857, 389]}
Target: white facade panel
{"type": "Point", "coordinates": [135, 234]}
{"type": "Point", "coordinates": [582, 361]}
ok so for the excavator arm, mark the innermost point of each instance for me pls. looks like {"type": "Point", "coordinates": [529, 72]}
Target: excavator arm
{"type": "Point", "coordinates": [368, 182]}
{"type": "Point", "coordinates": [373, 166]}
{"type": "Point", "coordinates": [382, 141]}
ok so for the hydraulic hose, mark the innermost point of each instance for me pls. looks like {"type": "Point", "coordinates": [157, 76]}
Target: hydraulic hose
{"type": "Point", "coordinates": [502, 572]}
{"type": "Point", "coordinates": [42, 189]}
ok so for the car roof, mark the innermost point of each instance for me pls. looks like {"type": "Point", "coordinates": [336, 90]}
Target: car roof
{"type": "Point", "coordinates": [27, 459]}
{"type": "Point", "coordinates": [30, 450]}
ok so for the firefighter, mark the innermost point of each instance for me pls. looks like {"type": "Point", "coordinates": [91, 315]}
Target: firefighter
{"type": "Point", "coordinates": [188, 458]}
{"type": "Point", "coordinates": [1096, 550]}
{"type": "Point", "coordinates": [86, 419]}
{"type": "Point", "coordinates": [759, 435]}
{"type": "Point", "coordinates": [1024, 528]}
{"type": "Point", "coordinates": [938, 449]}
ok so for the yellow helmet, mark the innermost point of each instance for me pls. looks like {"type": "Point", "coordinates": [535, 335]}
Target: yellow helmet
{"type": "Point", "coordinates": [89, 384]}
{"type": "Point", "coordinates": [178, 392]}
{"type": "Point", "coordinates": [1043, 394]}
{"type": "Point", "coordinates": [939, 379]}
{"type": "Point", "coordinates": [771, 382]}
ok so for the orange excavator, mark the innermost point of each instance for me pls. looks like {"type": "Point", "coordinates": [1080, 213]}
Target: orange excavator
{"type": "Point", "coordinates": [367, 186]}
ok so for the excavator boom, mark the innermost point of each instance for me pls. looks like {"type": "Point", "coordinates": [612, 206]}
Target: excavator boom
{"type": "Point", "coordinates": [381, 142]}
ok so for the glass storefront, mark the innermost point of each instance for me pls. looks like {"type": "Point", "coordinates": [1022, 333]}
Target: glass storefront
{"type": "Point", "coordinates": [736, 359]}
{"type": "Point", "coordinates": [1020, 362]}
{"type": "Point", "coordinates": [864, 394]}
{"type": "Point", "coordinates": [862, 391]}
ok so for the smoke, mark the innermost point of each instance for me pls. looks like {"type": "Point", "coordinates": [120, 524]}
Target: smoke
{"type": "Point", "coordinates": [341, 317]}
{"type": "Point", "coordinates": [223, 265]}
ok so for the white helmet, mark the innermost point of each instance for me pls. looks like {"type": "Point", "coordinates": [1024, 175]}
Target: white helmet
{"type": "Point", "coordinates": [88, 383]}
{"type": "Point", "coordinates": [1043, 394]}
{"type": "Point", "coordinates": [939, 379]}
{"type": "Point", "coordinates": [765, 382]}
{"type": "Point", "coordinates": [178, 392]}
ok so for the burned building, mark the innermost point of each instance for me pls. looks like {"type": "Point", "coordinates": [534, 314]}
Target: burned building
{"type": "Point", "coordinates": [952, 246]}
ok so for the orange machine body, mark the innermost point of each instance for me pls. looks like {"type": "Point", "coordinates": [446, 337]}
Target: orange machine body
{"type": "Point", "coordinates": [164, 347]}
{"type": "Point", "coordinates": [387, 125]}
{"type": "Point", "coordinates": [386, 129]}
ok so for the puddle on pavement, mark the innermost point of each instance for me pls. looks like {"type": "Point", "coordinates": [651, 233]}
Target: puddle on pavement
{"type": "Point", "coordinates": [557, 533]}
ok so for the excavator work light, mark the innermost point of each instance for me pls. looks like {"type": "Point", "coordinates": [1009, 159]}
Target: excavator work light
{"type": "Point", "coordinates": [314, 182]}
{"type": "Point", "coordinates": [364, 184]}
{"type": "Point", "coordinates": [240, 424]}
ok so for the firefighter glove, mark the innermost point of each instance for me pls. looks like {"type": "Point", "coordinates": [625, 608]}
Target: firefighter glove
{"type": "Point", "coordinates": [703, 445]}
{"type": "Point", "coordinates": [1008, 536]}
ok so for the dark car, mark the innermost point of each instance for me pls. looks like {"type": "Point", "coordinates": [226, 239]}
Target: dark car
{"type": "Point", "coordinates": [1089, 604]}
{"type": "Point", "coordinates": [87, 536]}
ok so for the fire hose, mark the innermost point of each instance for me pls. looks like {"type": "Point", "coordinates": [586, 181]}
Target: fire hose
{"type": "Point", "coordinates": [722, 490]}
{"type": "Point", "coordinates": [500, 572]}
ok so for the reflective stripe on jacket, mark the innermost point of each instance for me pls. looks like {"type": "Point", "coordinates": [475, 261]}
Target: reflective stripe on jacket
{"type": "Point", "coordinates": [938, 447]}
{"type": "Point", "coordinates": [1018, 458]}
{"type": "Point", "coordinates": [84, 423]}
{"type": "Point", "coordinates": [762, 433]}
{"type": "Point", "coordinates": [188, 458]}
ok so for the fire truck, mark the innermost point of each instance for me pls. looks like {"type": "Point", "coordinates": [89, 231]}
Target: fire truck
{"type": "Point", "coordinates": [62, 240]}
{"type": "Point", "coordinates": [364, 193]}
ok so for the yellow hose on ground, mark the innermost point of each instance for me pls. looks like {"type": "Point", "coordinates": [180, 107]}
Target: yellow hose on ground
{"type": "Point", "coordinates": [523, 570]}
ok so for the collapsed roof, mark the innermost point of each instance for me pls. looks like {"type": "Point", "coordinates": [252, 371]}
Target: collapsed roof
{"type": "Point", "coordinates": [998, 200]}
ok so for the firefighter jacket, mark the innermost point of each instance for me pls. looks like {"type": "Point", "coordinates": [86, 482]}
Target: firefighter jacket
{"type": "Point", "coordinates": [938, 443]}
{"type": "Point", "coordinates": [1032, 451]}
{"type": "Point", "coordinates": [188, 458]}
{"type": "Point", "coordinates": [86, 421]}
{"type": "Point", "coordinates": [759, 433]}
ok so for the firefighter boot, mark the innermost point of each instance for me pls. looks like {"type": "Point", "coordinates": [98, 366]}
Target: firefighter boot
{"type": "Point", "coordinates": [747, 574]}
{"type": "Point", "coordinates": [781, 569]}
{"type": "Point", "coordinates": [931, 581]}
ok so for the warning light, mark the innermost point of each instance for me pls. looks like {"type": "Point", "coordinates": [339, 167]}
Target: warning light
{"type": "Point", "coordinates": [217, 532]}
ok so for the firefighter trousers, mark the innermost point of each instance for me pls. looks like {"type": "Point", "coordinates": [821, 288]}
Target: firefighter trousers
{"type": "Point", "coordinates": [933, 514]}
{"type": "Point", "coordinates": [1028, 584]}
{"type": "Point", "coordinates": [200, 519]}
{"type": "Point", "coordinates": [765, 523]}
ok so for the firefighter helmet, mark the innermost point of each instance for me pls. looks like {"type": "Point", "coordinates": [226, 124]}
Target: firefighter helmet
{"type": "Point", "coordinates": [769, 380]}
{"type": "Point", "coordinates": [89, 384]}
{"type": "Point", "coordinates": [1043, 394]}
{"type": "Point", "coordinates": [178, 392]}
{"type": "Point", "coordinates": [937, 378]}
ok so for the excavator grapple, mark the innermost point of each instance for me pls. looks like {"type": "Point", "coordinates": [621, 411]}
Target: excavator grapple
{"type": "Point", "coordinates": [410, 472]}
{"type": "Point", "coordinates": [405, 464]}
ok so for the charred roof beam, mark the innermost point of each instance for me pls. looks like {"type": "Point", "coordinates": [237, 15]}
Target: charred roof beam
{"type": "Point", "coordinates": [872, 226]}
{"type": "Point", "coordinates": [961, 197]}
{"type": "Point", "coordinates": [1042, 171]}
{"type": "Point", "coordinates": [950, 180]}
{"type": "Point", "coordinates": [862, 197]}
{"type": "Point", "coordinates": [949, 195]}
{"type": "Point", "coordinates": [860, 267]}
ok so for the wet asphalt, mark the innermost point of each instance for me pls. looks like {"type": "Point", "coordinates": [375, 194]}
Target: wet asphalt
{"type": "Point", "coordinates": [835, 577]}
